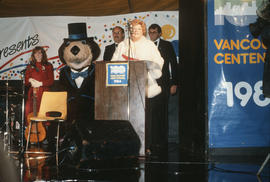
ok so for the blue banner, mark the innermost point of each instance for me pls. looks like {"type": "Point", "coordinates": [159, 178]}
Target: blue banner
{"type": "Point", "coordinates": [238, 113]}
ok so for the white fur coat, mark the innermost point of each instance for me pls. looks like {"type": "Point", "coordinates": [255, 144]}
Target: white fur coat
{"type": "Point", "coordinates": [146, 50]}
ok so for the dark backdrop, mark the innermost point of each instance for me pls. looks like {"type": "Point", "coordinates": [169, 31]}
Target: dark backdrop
{"type": "Point", "coordinates": [193, 123]}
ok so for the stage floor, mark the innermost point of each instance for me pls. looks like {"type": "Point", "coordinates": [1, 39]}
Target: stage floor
{"type": "Point", "coordinates": [139, 169]}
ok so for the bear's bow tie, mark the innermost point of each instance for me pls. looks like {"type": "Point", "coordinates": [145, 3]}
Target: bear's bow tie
{"type": "Point", "coordinates": [83, 74]}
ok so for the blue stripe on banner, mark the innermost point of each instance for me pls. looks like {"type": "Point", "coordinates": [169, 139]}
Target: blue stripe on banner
{"type": "Point", "coordinates": [18, 66]}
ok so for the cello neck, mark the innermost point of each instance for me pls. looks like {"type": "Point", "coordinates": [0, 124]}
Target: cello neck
{"type": "Point", "coordinates": [35, 101]}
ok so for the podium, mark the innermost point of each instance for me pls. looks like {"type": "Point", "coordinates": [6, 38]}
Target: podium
{"type": "Point", "coordinates": [123, 102]}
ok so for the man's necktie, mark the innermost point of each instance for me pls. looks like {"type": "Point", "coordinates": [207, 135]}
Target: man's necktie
{"type": "Point", "coordinates": [155, 43]}
{"type": "Point", "coordinates": [83, 74]}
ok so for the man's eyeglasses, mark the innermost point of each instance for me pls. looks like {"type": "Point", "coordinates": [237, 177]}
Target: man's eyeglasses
{"type": "Point", "coordinates": [153, 32]}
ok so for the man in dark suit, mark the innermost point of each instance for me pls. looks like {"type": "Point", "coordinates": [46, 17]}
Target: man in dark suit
{"type": "Point", "coordinates": [169, 79]}
{"type": "Point", "coordinates": [168, 82]}
{"type": "Point", "coordinates": [118, 36]}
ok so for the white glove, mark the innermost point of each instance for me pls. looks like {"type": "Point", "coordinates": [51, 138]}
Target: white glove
{"type": "Point", "coordinates": [35, 83]}
{"type": "Point", "coordinates": [38, 83]}
{"type": "Point", "coordinates": [31, 80]}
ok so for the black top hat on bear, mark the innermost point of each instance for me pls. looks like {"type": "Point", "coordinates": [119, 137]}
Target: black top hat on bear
{"type": "Point", "coordinates": [77, 31]}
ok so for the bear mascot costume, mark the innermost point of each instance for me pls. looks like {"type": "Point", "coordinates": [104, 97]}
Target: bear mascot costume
{"type": "Point", "coordinates": [86, 139]}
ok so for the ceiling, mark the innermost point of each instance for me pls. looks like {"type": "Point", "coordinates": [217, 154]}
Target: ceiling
{"type": "Point", "coordinates": [16, 8]}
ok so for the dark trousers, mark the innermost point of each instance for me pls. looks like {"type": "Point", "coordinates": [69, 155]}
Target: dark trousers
{"type": "Point", "coordinates": [157, 124]}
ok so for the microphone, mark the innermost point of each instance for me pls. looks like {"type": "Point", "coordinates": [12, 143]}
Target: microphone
{"type": "Point", "coordinates": [129, 26]}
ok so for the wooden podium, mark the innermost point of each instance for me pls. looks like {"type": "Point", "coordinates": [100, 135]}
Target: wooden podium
{"type": "Point", "coordinates": [122, 102]}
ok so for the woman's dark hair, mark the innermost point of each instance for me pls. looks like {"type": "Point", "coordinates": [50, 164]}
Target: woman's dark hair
{"type": "Point", "coordinates": [44, 59]}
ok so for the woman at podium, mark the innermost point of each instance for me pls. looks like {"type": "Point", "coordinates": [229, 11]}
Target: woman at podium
{"type": "Point", "coordinates": [137, 48]}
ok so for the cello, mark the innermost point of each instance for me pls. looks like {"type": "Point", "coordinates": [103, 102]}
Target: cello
{"type": "Point", "coordinates": [38, 131]}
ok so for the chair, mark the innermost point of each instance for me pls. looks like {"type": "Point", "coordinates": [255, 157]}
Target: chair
{"type": "Point", "coordinates": [51, 102]}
